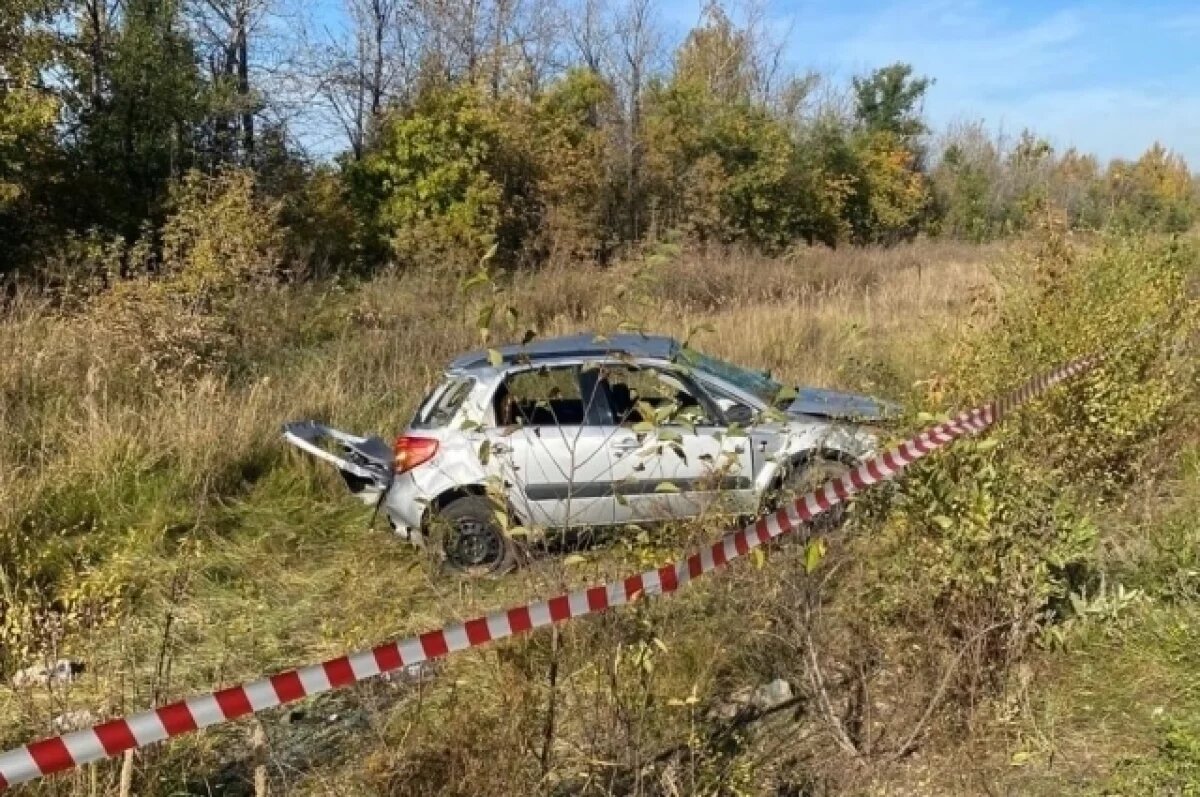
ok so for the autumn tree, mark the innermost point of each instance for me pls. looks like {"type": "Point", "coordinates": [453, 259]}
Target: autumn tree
{"type": "Point", "coordinates": [573, 142]}
{"type": "Point", "coordinates": [719, 164]}
{"type": "Point", "coordinates": [444, 183]}
{"type": "Point", "coordinates": [28, 111]}
{"type": "Point", "coordinates": [1075, 187]}
{"type": "Point", "coordinates": [1155, 191]}
{"type": "Point", "coordinates": [893, 193]}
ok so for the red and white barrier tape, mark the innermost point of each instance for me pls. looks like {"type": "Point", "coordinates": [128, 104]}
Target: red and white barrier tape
{"type": "Point", "coordinates": [110, 738]}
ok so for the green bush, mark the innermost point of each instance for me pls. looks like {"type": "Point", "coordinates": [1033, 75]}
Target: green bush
{"type": "Point", "coordinates": [323, 233]}
{"type": "Point", "coordinates": [444, 183]}
{"type": "Point", "coordinates": [1131, 299]}
{"type": "Point", "coordinates": [980, 547]}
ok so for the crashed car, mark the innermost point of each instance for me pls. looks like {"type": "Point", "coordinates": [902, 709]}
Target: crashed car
{"type": "Point", "coordinates": [588, 431]}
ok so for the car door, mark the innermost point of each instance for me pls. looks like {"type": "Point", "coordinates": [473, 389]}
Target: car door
{"type": "Point", "coordinates": [550, 447]}
{"type": "Point", "coordinates": [671, 454]}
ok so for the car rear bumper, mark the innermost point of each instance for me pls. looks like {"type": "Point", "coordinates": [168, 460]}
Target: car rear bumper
{"type": "Point", "coordinates": [405, 507]}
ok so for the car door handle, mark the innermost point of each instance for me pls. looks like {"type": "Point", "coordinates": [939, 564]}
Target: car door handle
{"type": "Point", "coordinates": [626, 446]}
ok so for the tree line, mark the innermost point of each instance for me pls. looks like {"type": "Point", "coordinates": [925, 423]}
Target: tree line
{"type": "Point", "coordinates": [427, 132]}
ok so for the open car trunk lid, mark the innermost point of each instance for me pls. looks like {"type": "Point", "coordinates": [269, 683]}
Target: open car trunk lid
{"type": "Point", "coordinates": [365, 463]}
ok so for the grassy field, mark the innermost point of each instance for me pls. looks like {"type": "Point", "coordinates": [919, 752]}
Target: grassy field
{"type": "Point", "coordinates": [153, 525]}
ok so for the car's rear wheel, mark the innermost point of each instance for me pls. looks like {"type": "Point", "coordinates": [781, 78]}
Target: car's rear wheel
{"type": "Point", "coordinates": [470, 539]}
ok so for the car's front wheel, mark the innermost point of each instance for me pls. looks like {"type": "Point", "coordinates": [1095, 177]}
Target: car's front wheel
{"type": "Point", "coordinates": [807, 475]}
{"type": "Point", "coordinates": [469, 538]}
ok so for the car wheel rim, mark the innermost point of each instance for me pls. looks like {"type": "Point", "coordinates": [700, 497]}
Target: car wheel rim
{"type": "Point", "coordinates": [473, 544]}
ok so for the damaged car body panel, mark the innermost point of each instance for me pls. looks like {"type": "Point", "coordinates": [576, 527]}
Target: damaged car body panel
{"type": "Point", "coordinates": [365, 463]}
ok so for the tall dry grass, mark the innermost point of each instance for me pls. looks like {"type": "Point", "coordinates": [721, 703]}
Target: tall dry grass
{"type": "Point", "coordinates": [138, 488]}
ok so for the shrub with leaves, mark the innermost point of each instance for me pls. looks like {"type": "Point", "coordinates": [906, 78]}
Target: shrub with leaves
{"type": "Point", "coordinates": [1130, 299]}
{"type": "Point", "coordinates": [897, 193]}
{"type": "Point", "coordinates": [171, 310]}
{"type": "Point", "coordinates": [967, 559]}
{"type": "Point", "coordinates": [443, 182]}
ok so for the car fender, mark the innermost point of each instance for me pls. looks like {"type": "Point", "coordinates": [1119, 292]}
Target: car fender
{"type": "Point", "coordinates": [456, 470]}
{"type": "Point", "coordinates": [801, 440]}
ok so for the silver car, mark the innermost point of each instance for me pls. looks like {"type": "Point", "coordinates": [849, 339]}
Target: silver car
{"type": "Point", "coordinates": [588, 431]}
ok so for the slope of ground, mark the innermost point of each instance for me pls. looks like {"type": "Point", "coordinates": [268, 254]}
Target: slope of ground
{"type": "Point", "coordinates": [155, 527]}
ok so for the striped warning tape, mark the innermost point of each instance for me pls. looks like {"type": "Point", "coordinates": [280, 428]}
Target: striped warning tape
{"type": "Point", "coordinates": [110, 738]}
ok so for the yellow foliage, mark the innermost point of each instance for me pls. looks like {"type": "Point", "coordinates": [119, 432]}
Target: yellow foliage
{"type": "Point", "coordinates": [171, 311]}
{"type": "Point", "coordinates": [1163, 174]}
{"type": "Point", "coordinates": [897, 191]}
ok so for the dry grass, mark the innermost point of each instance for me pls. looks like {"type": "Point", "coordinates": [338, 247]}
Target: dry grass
{"type": "Point", "coordinates": [132, 494]}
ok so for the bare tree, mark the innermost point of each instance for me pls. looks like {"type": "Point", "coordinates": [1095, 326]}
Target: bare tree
{"type": "Point", "coordinates": [766, 50]}
{"type": "Point", "coordinates": [362, 70]}
{"type": "Point", "coordinates": [458, 37]}
{"type": "Point", "coordinates": [533, 44]}
{"type": "Point", "coordinates": [590, 33]}
{"type": "Point", "coordinates": [224, 30]}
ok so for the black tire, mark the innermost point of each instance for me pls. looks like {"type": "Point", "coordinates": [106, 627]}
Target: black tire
{"type": "Point", "coordinates": [469, 539]}
{"type": "Point", "coordinates": [809, 474]}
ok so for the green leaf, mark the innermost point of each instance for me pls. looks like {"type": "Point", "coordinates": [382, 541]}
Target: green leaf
{"type": "Point", "coordinates": [814, 552]}
{"type": "Point", "coordinates": [943, 522]}
{"type": "Point", "coordinates": [484, 319]}
{"type": "Point", "coordinates": [475, 280]}
{"type": "Point", "coordinates": [495, 358]}
{"type": "Point", "coordinates": [665, 487]}
{"type": "Point", "coordinates": [485, 452]}
{"type": "Point", "coordinates": [574, 559]}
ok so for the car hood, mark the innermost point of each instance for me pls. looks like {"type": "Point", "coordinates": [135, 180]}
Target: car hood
{"type": "Point", "coordinates": [836, 404]}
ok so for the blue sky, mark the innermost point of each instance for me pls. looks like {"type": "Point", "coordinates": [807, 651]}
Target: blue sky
{"type": "Point", "coordinates": [1109, 77]}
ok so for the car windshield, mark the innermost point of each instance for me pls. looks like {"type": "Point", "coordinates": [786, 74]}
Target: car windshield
{"type": "Point", "coordinates": [757, 383]}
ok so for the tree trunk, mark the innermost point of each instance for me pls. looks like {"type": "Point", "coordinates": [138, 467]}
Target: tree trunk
{"type": "Point", "coordinates": [97, 17]}
{"type": "Point", "coordinates": [243, 83]}
{"type": "Point", "coordinates": [634, 186]}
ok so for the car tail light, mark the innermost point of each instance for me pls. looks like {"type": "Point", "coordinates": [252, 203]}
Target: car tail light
{"type": "Point", "coordinates": [413, 451]}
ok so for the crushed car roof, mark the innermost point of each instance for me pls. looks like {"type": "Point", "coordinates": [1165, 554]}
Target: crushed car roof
{"type": "Point", "coordinates": [586, 345]}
